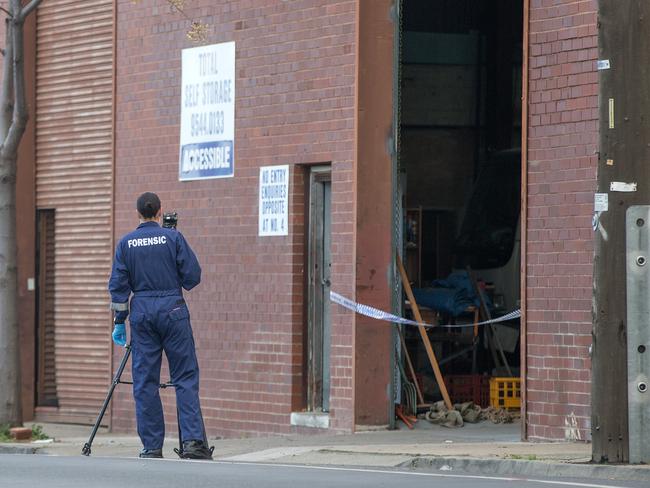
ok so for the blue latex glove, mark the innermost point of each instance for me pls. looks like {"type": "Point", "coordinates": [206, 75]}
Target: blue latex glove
{"type": "Point", "coordinates": [119, 334]}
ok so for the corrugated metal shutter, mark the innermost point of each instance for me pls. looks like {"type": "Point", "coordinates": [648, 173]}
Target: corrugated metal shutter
{"type": "Point", "coordinates": [74, 120]}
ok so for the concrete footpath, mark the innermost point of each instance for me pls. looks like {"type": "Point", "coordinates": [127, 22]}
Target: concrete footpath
{"type": "Point", "coordinates": [482, 448]}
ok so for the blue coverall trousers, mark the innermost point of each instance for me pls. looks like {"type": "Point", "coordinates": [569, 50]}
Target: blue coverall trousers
{"type": "Point", "coordinates": [162, 323]}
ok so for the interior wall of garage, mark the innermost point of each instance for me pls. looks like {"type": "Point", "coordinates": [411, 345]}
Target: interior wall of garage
{"type": "Point", "coordinates": [561, 175]}
{"type": "Point", "coordinates": [295, 104]}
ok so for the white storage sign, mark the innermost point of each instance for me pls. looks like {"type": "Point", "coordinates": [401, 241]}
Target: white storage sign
{"type": "Point", "coordinates": [207, 142]}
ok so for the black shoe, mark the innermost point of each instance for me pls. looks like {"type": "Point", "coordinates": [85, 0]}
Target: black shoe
{"type": "Point", "coordinates": [151, 453]}
{"type": "Point", "coordinates": [195, 450]}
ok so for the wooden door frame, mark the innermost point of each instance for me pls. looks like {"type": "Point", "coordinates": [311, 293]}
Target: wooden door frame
{"type": "Point", "coordinates": [314, 333]}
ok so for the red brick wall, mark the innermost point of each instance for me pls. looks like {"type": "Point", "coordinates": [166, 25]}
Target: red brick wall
{"type": "Point", "coordinates": [563, 140]}
{"type": "Point", "coordinates": [26, 230]}
{"type": "Point", "coordinates": [294, 105]}
{"type": "Point", "coordinates": [373, 368]}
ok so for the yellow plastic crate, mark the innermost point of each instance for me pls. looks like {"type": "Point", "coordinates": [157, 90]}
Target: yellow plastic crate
{"type": "Point", "coordinates": [505, 393]}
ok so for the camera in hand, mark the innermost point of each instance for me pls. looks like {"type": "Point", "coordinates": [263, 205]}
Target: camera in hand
{"type": "Point", "coordinates": [170, 220]}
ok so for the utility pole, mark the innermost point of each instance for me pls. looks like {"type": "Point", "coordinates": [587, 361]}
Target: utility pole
{"type": "Point", "coordinates": [623, 181]}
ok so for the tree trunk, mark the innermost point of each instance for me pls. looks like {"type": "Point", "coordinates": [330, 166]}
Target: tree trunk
{"type": "Point", "coordinates": [6, 96]}
{"type": "Point", "coordinates": [10, 407]}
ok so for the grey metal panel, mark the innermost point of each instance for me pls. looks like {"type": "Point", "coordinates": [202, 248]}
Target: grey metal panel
{"type": "Point", "coordinates": [638, 331]}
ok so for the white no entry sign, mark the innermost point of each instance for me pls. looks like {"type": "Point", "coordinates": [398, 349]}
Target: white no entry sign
{"type": "Point", "coordinates": [274, 201]}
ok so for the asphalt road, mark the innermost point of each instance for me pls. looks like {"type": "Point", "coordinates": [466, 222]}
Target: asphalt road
{"type": "Point", "coordinates": [36, 471]}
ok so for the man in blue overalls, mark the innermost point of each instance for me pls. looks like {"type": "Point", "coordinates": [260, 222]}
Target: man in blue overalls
{"type": "Point", "coordinates": [154, 263]}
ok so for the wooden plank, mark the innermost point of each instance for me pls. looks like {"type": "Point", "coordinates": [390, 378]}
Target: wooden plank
{"type": "Point", "coordinates": [423, 333]}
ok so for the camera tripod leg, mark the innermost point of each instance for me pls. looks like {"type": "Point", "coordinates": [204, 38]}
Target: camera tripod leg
{"type": "Point", "coordinates": [205, 435]}
{"type": "Point", "coordinates": [86, 450]}
{"type": "Point", "coordinates": [179, 449]}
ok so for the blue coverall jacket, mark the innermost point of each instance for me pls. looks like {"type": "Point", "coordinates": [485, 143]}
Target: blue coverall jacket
{"type": "Point", "coordinates": [154, 264]}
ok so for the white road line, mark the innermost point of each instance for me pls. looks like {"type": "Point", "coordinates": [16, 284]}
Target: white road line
{"type": "Point", "coordinates": [431, 475]}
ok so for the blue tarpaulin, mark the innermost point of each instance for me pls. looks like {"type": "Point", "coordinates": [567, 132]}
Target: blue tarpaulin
{"type": "Point", "coordinates": [452, 295]}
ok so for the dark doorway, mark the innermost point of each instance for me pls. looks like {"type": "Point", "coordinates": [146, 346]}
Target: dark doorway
{"type": "Point", "coordinates": [459, 171]}
{"type": "Point", "coordinates": [46, 380]}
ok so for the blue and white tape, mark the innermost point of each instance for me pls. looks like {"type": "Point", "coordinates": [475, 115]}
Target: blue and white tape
{"type": "Point", "coordinates": [375, 313]}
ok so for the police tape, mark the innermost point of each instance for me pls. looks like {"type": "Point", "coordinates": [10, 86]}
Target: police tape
{"type": "Point", "coordinates": [375, 313]}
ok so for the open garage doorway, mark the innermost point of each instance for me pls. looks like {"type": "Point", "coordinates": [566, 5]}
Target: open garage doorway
{"type": "Point", "coordinates": [459, 182]}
